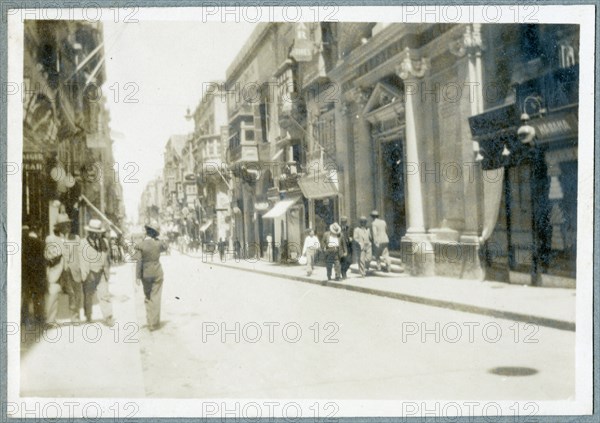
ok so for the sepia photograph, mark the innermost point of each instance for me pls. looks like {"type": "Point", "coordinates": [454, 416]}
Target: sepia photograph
{"type": "Point", "coordinates": [287, 212]}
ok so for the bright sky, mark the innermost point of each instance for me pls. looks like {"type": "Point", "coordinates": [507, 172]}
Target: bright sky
{"type": "Point", "coordinates": [162, 65]}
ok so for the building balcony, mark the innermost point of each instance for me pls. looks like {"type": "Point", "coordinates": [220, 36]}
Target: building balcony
{"type": "Point", "coordinates": [245, 152]}
{"type": "Point", "coordinates": [240, 111]}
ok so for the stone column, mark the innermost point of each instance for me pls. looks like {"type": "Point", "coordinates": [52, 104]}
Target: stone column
{"type": "Point", "coordinates": [411, 71]}
{"type": "Point", "coordinates": [417, 252]}
{"type": "Point", "coordinates": [471, 46]}
{"type": "Point", "coordinates": [363, 169]}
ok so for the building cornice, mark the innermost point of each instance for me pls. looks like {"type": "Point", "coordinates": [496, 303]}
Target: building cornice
{"type": "Point", "coordinates": [248, 50]}
{"type": "Point", "coordinates": [347, 68]}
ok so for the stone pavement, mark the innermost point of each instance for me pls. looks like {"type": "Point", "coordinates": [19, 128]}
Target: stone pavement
{"type": "Point", "coordinates": [551, 307]}
{"type": "Point", "coordinates": [89, 359]}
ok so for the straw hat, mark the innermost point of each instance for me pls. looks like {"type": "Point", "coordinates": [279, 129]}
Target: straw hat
{"type": "Point", "coordinates": [62, 218]}
{"type": "Point", "coordinates": [153, 227]}
{"type": "Point", "coordinates": [335, 228]}
{"type": "Point", "coordinates": [94, 226]}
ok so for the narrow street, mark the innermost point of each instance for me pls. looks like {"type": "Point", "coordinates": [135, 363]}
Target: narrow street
{"type": "Point", "coordinates": [215, 342]}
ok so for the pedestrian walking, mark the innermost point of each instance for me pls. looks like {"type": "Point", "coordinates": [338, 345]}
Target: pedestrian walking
{"type": "Point", "coordinates": [95, 272]}
{"type": "Point", "coordinates": [362, 240]}
{"type": "Point", "coordinates": [380, 241]}
{"type": "Point", "coordinates": [71, 276]}
{"type": "Point", "coordinates": [310, 249]}
{"type": "Point", "coordinates": [335, 249]}
{"type": "Point", "coordinates": [149, 273]}
{"type": "Point", "coordinates": [33, 277]}
{"type": "Point", "coordinates": [347, 237]}
{"type": "Point", "coordinates": [237, 246]}
{"type": "Point", "coordinates": [222, 249]}
{"type": "Point", "coordinates": [55, 266]}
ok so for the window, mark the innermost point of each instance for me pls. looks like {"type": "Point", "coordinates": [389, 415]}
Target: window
{"type": "Point", "coordinates": [264, 120]}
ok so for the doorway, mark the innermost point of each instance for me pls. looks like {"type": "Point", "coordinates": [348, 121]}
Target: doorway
{"type": "Point", "coordinates": [392, 190]}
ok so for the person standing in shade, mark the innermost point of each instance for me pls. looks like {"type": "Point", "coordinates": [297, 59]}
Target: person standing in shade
{"type": "Point", "coordinates": [149, 273]}
{"type": "Point", "coordinates": [222, 248]}
{"type": "Point", "coordinates": [362, 239]}
{"type": "Point", "coordinates": [380, 241]}
{"type": "Point", "coordinates": [309, 250]}
{"type": "Point", "coordinates": [95, 271]}
{"type": "Point", "coordinates": [335, 249]}
{"type": "Point", "coordinates": [33, 277]}
{"type": "Point", "coordinates": [346, 261]}
{"type": "Point", "coordinates": [56, 265]}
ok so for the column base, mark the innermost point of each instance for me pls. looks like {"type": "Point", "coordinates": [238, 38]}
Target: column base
{"type": "Point", "coordinates": [441, 253]}
{"type": "Point", "coordinates": [417, 254]}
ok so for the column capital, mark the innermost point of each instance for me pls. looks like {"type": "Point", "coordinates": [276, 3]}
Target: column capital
{"type": "Point", "coordinates": [360, 96]}
{"type": "Point", "coordinates": [410, 68]}
{"type": "Point", "coordinates": [470, 43]}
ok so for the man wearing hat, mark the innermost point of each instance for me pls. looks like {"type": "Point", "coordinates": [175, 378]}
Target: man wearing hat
{"type": "Point", "coordinates": [55, 265]}
{"type": "Point", "coordinates": [149, 273]}
{"type": "Point", "coordinates": [95, 271]}
{"type": "Point", "coordinates": [335, 249]}
{"type": "Point", "coordinates": [362, 239]}
{"type": "Point", "coordinates": [33, 276]}
{"type": "Point", "coordinates": [346, 261]}
{"type": "Point", "coordinates": [380, 240]}
{"type": "Point", "coordinates": [70, 280]}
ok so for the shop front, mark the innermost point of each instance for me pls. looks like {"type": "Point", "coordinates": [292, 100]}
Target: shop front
{"type": "Point", "coordinates": [287, 216]}
{"type": "Point", "coordinates": [530, 159]}
{"type": "Point", "coordinates": [322, 191]}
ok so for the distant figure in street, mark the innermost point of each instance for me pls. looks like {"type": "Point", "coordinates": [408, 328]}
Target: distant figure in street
{"type": "Point", "coordinates": [56, 264]}
{"type": "Point", "coordinates": [346, 261]}
{"type": "Point", "coordinates": [222, 249]}
{"type": "Point", "coordinates": [269, 248]}
{"type": "Point", "coordinates": [95, 272]}
{"type": "Point", "coordinates": [362, 239]}
{"type": "Point", "coordinates": [309, 250]}
{"type": "Point", "coordinates": [33, 277]}
{"type": "Point", "coordinates": [380, 241]}
{"type": "Point", "coordinates": [238, 249]}
{"type": "Point", "coordinates": [149, 273]}
{"type": "Point", "coordinates": [335, 249]}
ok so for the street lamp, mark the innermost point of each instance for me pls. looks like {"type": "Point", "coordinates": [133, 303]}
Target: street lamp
{"type": "Point", "coordinates": [526, 132]}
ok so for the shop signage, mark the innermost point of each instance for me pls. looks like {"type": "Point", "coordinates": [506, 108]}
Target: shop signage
{"type": "Point", "coordinates": [191, 189]}
{"type": "Point", "coordinates": [559, 126]}
{"type": "Point", "coordinates": [33, 161]}
{"type": "Point", "coordinates": [303, 48]}
{"type": "Point", "coordinates": [261, 206]}
{"type": "Point", "coordinates": [96, 140]}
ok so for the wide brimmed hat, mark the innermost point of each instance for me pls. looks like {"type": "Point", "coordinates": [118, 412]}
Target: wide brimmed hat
{"type": "Point", "coordinates": [152, 227]}
{"type": "Point", "coordinates": [335, 228]}
{"type": "Point", "coordinates": [94, 225]}
{"type": "Point", "coordinates": [344, 219]}
{"type": "Point", "coordinates": [62, 218]}
{"type": "Point", "coordinates": [375, 213]}
{"type": "Point", "coordinates": [363, 219]}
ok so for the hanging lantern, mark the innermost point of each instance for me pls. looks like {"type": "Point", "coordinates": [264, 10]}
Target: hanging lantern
{"type": "Point", "coordinates": [69, 181]}
{"type": "Point", "coordinates": [57, 173]}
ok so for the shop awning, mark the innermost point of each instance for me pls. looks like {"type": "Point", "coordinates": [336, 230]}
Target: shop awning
{"type": "Point", "coordinates": [319, 185]}
{"type": "Point", "coordinates": [280, 209]}
{"type": "Point", "coordinates": [102, 215]}
{"type": "Point", "coordinates": [205, 226]}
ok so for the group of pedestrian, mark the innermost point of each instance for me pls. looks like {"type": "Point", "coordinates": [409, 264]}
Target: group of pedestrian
{"type": "Point", "coordinates": [65, 263]}
{"type": "Point", "coordinates": [80, 268]}
{"type": "Point", "coordinates": [339, 244]}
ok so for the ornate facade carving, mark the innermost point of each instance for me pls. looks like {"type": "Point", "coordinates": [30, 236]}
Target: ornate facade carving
{"type": "Point", "coordinates": [410, 68]}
